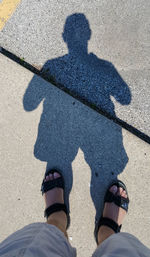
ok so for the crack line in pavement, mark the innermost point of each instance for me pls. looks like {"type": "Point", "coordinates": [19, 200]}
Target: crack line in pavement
{"type": "Point", "coordinates": [118, 121]}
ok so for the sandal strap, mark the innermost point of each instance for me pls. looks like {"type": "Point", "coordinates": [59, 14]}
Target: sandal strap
{"type": "Point", "coordinates": [48, 185]}
{"type": "Point", "coordinates": [55, 208]}
{"type": "Point", "coordinates": [118, 200]}
{"type": "Point", "coordinates": [109, 223]}
{"type": "Point", "coordinates": [106, 222]}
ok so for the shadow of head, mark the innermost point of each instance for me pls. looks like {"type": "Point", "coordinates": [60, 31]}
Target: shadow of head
{"type": "Point", "coordinates": [77, 31]}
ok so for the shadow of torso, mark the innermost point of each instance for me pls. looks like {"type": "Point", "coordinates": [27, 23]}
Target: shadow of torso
{"type": "Point", "coordinates": [91, 78]}
{"type": "Point", "coordinates": [65, 127]}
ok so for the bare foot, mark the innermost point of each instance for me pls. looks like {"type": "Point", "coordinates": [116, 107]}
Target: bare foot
{"type": "Point", "coordinates": [114, 212]}
{"type": "Point", "coordinates": [56, 195]}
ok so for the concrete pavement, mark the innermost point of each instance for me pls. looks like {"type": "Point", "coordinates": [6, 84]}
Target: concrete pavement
{"type": "Point", "coordinates": [42, 126]}
{"type": "Point", "coordinates": [111, 71]}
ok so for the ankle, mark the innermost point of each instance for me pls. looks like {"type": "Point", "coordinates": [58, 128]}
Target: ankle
{"type": "Point", "coordinates": [59, 220]}
{"type": "Point", "coordinates": [103, 233]}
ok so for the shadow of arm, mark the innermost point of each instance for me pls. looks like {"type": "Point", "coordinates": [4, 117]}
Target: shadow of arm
{"type": "Point", "coordinates": [120, 90]}
{"type": "Point", "coordinates": [34, 94]}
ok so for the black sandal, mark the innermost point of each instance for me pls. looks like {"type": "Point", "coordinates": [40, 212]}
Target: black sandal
{"type": "Point", "coordinates": [48, 185]}
{"type": "Point", "coordinates": [119, 201]}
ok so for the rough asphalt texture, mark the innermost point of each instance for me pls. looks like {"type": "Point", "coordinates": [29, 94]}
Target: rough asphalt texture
{"type": "Point", "coordinates": [102, 54]}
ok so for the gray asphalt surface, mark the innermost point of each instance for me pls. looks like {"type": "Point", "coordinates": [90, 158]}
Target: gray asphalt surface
{"type": "Point", "coordinates": [102, 55]}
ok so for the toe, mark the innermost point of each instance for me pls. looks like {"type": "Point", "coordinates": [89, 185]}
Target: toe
{"type": "Point", "coordinates": [124, 194]}
{"type": "Point", "coordinates": [51, 176]}
{"type": "Point", "coordinates": [47, 178]}
{"type": "Point", "coordinates": [120, 190]}
{"type": "Point", "coordinates": [56, 175]}
{"type": "Point", "coordinates": [113, 189]}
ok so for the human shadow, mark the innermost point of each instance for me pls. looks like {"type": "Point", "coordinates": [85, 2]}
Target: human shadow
{"type": "Point", "coordinates": [66, 126]}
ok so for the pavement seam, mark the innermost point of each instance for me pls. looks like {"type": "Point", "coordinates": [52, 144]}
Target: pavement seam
{"type": "Point", "coordinates": [118, 121]}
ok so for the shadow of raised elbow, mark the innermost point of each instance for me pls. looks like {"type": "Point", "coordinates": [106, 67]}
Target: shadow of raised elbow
{"type": "Point", "coordinates": [28, 104]}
